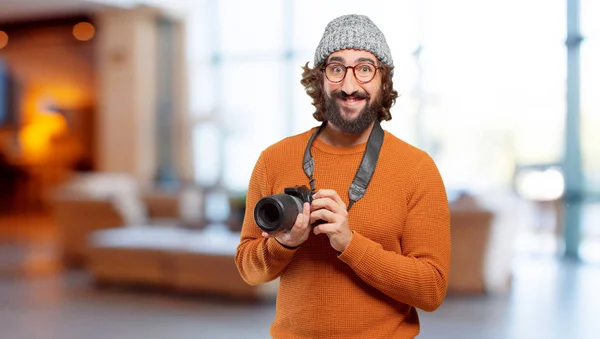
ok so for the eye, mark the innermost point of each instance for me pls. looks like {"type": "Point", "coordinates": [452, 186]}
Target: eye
{"type": "Point", "coordinates": [336, 68]}
{"type": "Point", "coordinates": [365, 68]}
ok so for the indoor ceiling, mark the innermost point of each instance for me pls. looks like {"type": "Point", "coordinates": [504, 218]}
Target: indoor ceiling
{"type": "Point", "coordinates": [19, 10]}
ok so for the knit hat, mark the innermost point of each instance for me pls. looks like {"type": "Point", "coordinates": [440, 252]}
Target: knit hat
{"type": "Point", "coordinates": [353, 32]}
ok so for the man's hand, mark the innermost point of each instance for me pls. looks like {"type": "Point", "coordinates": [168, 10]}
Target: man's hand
{"type": "Point", "coordinates": [329, 207]}
{"type": "Point", "coordinates": [298, 233]}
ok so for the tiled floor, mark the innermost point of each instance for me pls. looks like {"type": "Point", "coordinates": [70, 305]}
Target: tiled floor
{"type": "Point", "coordinates": [550, 298]}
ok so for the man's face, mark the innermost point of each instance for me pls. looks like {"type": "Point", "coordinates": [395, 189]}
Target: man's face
{"type": "Point", "coordinates": [352, 106]}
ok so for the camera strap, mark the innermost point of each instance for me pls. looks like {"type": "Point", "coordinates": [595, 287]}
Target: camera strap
{"type": "Point", "coordinates": [365, 170]}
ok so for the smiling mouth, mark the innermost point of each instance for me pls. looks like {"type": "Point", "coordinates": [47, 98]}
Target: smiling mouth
{"type": "Point", "coordinates": [351, 100]}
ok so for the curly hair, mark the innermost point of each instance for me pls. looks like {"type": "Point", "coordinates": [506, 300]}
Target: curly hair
{"type": "Point", "coordinates": [312, 80]}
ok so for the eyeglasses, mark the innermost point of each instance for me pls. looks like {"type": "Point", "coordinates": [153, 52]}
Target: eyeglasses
{"type": "Point", "coordinates": [363, 72]}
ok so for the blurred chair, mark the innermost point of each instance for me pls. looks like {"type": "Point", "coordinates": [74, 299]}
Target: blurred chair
{"type": "Point", "coordinates": [206, 264]}
{"type": "Point", "coordinates": [76, 218]}
{"type": "Point", "coordinates": [133, 256]}
{"type": "Point", "coordinates": [90, 202]}
{"type": "Point", "coordinates": [181, 207]}
{"type": "Point", "coordinates": [470, 232]}
{"type": "Point", "coordinates": [173, 259]}
{"type": "Point", "coordinates": [485, 231]}
{"type": "Point", "coordinates": [161, 205]}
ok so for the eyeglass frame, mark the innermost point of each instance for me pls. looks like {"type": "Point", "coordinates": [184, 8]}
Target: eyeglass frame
{"type": "Point", "coordinates": [323, 69]}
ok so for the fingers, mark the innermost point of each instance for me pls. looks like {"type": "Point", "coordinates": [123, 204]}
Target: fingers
{"type": "Point", "coordinates": [329, 204]}
{"type": "Point", "coordinates": [323, 228]}
{"type": "Point", "coordinates": [330, 209]}
{"type": "Point", "coordinates": [299, 231]}
{"type": "Point", "coordinates": [306, 212]}
{"type": "Point", "coordinates": [331, 194]}
{"type": "Point", "coordinates": [328, 228]}
{"type": "Point", "coordinates": [323, 214]}
{"type": "Point", "coordinates": [302, 220]}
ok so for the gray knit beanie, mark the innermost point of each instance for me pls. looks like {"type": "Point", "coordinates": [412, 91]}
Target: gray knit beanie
{"type": "Point", "coordinates": [353, 32]}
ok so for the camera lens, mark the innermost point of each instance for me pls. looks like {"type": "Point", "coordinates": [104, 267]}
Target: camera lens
{"type": "Point", "coordinates": [277, 212]}
{"type": "Point", "coordinates": [270, 213]}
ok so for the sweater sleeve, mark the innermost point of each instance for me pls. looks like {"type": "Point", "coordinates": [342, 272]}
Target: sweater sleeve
{"type": "Point", "coordinates": [259, 260]}
{"type": "Point", "coordinates": [419, 275]}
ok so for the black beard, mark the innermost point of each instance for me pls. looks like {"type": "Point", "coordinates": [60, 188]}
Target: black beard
{"type": "Point", "coordinates": [365, 118]}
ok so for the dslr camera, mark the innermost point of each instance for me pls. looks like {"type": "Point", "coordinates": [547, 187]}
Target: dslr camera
{"type": "Point", "coordinates": [278, 212]}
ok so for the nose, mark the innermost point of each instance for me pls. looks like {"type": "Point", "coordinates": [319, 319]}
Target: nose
{"type": "Point", "coordinates": [349, 84]}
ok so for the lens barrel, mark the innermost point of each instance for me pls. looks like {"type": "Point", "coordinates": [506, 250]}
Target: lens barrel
{"type": "Point", "coordinates": [277, 212]}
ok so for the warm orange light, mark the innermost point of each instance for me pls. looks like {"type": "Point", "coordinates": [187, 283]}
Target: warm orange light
{"type": "Point", "coordinates": [41, 126]}
{"type": "Point", "coordinates": [84, 31]}
{"type": "Point", "coordinates": [36, 138]}
{"type": "Point", "coordinates": [3, 39]}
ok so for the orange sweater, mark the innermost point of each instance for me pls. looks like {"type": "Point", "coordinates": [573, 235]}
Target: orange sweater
{"type": "Point", "coordinates": [398, 259]}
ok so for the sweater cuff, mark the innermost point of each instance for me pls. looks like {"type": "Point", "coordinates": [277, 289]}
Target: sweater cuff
{"type": "Point", "coordinates": [280, 251]}
{"type": "Point", "coordinates": [355, 251]}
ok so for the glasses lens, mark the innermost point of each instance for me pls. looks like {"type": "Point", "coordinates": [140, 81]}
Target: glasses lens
{"type": "Point", "coordinates": [335, 72]}
{"type": "Point", "coordinates": [364, 72]}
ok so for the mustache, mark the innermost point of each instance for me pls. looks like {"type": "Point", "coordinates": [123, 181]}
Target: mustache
{"type": "Point", "coordinates": [356, 95]}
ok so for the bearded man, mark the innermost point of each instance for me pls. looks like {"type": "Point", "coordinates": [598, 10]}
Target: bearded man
{"type": "Point", "coordinates": [372, 242]}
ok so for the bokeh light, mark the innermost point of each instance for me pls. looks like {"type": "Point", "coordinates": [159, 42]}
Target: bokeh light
{"type": "Point", "coordinates": [3, 39]}
{"type": "Point", "coordinates": [84, 31]}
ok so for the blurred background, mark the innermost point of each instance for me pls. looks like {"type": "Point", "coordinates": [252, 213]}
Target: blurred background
{"type": "Point", "coordinates": [129, 130]}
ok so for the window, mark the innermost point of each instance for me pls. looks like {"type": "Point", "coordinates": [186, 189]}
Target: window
{"type": "Point", "coordinates": [590, 102]}
{"type": "Point", "coordinates": [493, 94]}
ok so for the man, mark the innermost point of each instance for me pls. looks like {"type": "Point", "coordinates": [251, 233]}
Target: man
{"type": "Point", "coordinates": [361, 272]}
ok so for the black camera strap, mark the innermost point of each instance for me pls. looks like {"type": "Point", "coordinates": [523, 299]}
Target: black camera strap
{"type": "Point", "coordinates": [365, 170]}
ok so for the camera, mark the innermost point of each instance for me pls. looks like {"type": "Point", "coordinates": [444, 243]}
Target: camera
{"type": "Point", "coordinates": [278, 212]}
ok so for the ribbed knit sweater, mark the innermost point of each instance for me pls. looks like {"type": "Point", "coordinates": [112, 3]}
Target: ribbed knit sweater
{"type": "Point", "coordinates": [397, 261]}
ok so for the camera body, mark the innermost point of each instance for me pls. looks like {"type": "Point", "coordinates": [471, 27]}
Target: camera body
{"type": "Point", "coordinates": [301, 192]}
{"type": "Point", "coordinates": [278, 212]}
